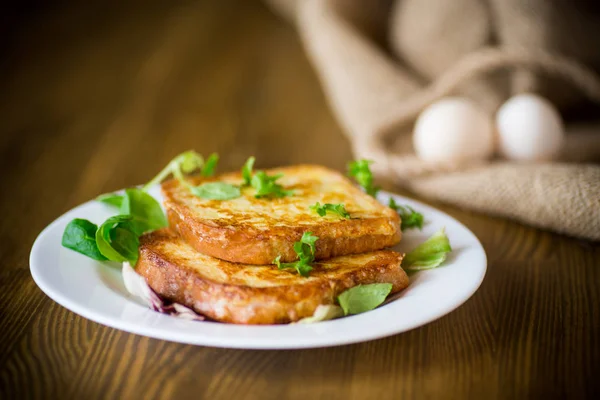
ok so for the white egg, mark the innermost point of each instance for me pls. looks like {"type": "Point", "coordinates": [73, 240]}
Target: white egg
{"type": "Point", "coordinates": [529, 129]}
{"type": "Point", "coordinates": [453, 130]}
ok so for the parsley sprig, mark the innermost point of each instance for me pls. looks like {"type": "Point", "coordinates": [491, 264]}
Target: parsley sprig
{"type": "Point", "coordinates": [322, 209]}
{"type": "Point", "coordinates": [361, 172]}
{"type": "Point", "coordinates": [264, 184]}
{"type": "Point", "coordinates": [409, 217]}
{"type": "Point", "coordinates": [267, 186]}
{"type": "Point", "coordinates": [305, 249]}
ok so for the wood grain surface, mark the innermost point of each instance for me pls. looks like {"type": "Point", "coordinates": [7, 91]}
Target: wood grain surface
{"type": "Point", "coordinates": [97, 96]}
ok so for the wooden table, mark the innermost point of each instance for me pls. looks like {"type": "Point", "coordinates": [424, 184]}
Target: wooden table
{"type": "Point", "coordinates": [99, 97]}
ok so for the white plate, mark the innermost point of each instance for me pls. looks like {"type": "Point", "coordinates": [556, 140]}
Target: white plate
{"type": "Point", "coordinates": [95, 290]}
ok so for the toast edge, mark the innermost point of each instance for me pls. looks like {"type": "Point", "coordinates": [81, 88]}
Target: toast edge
{"type": "Point", "coordinates": [267, 305]}
{"type": "Point", "coordinates": [246, 245]}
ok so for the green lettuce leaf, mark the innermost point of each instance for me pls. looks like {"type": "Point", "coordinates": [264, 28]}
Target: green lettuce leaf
{"type": "Point", "coordinates": [185, 163]}
{"type": "Point", "coordinates": [145, 212]}
{"type": "Point", "coordinates": [80, 235]}
{"type": "Point", "coordinates": [429, 254]}
{"type": "Point", "coordinates": [323, 312]}
{"type": "Point", "coordinates": [364, 298]}
{"type": "Point", "coordinates": [217, 191]}
{"type": "Point", "coordinates": [111, 199]}
{"type": "Point", "coordinates": [118, 239]}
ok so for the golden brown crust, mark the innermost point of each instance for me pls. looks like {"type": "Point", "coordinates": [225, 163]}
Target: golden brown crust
{"type": "Point", "coordinates": [170, 274]}
{"type": "Point", "coordinates": [240, 242]}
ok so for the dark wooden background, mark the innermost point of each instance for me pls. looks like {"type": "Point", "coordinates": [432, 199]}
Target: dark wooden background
{"type": "Point", "coordinates": [98, 96]}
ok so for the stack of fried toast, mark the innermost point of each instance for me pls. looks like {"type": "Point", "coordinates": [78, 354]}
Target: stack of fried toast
{"type": "Point", "coordinates": [218, 256]}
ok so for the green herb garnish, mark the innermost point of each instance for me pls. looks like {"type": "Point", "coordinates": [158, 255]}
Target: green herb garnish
{"type": "Point", "coordinates": [322, 209]}
{"type": "Point", "coordinates": [429, 254]}
{"type": "Point", "coordinates": [118, 239]}
{"type": "Point", "coordinates": [191, 161]}
{"type": "Point", "coordinates": [185, 163]}
{"type": "Point", "coordinates": [267, 186]}
{"type": "Point", "coordinates": [409, 217]}
{"type": "Point", "coordinates": [364, 298]}
{"type": "Point", "coordinates": [305, 249]}
{"type": "Point", "coordinates": [80, 235]}
{"type": "Point", "coordinates": [210, 165]}
{"type": "Point", "coordinates": [216, 191]}
{"type": "Point", "coordinates": [111, 199]}
{"type": "Point", "coordinates": [143, 209]}
{"type": "Point", "coordinates": [361, 172]}
{"type": "Point", "coordinates": [247, 171]}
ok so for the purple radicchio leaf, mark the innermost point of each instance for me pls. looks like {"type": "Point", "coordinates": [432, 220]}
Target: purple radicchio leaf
{"type": "Point", "coordinates": [137, 286]}
{"type": "Point", "coordinates": [183, 312]}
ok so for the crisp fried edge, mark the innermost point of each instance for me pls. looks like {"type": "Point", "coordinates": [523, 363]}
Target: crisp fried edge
{"type": "Point", "coordinates": [242, 304]}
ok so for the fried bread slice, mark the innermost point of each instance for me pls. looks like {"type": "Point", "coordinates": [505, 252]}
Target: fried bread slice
{"type": "Point", "coordinates": [255, 231]}
{"type": "Point", "coordinates": [255, 294]}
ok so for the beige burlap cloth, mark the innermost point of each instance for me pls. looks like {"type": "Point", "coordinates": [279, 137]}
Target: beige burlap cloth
{"type": "Point", "coordinates": [381, 62]}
